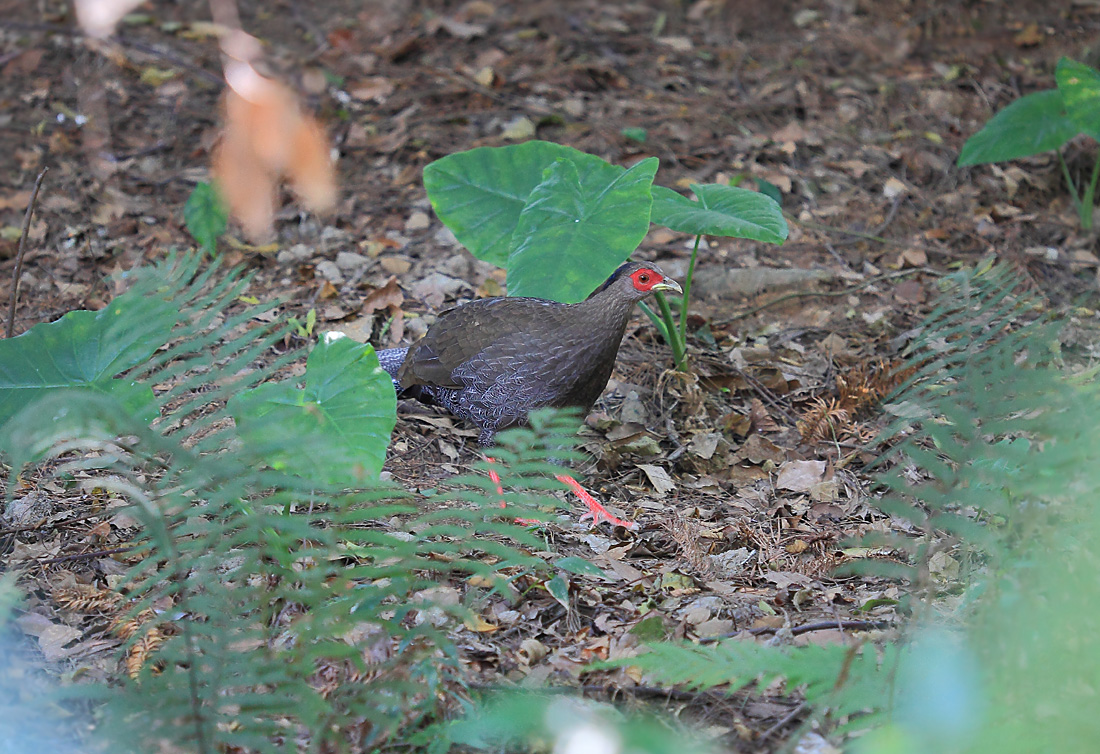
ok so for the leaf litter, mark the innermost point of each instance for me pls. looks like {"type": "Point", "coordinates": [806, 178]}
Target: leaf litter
{"type": "Point", "coordinates": [748, 482]}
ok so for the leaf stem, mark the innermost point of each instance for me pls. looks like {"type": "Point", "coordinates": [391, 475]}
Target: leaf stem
{"type": "Point", "coordinates": [1086, 223]}
{"type": "Point", "coordinates": [22, 249]}
{"type": "Point", "coordinates": [1089, 197]}
{"type": "Point", "coordinates": [687, 289]}
{"type": "Point", "coordinates": [655, 319]}
{"type": "Point", "coordinates": [673, 339]}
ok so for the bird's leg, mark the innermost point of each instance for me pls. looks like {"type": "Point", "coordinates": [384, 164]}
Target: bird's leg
{"type": "Point", "coordinates": [494, 477]}
{"type": "Point", "coordinates": [595, 511]}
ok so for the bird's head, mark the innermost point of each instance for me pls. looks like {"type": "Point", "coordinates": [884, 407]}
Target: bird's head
{"type": "Point", "coordinates": [636, 280]}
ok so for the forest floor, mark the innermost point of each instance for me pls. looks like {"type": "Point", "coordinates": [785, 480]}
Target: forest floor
{"type": "Point", "coordinates": [855, 109]}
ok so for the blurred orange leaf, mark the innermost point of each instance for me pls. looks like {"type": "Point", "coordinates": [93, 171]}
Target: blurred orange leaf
{"type": "Point", "coordinates": [267, 138]}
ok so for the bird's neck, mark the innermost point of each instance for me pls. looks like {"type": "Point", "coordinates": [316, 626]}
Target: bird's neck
{"type": "Point", "coordinates": [610, 309]}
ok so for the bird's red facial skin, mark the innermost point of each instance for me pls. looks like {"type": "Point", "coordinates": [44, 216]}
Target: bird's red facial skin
{"type": "Point", "coordinates": [644, 279]}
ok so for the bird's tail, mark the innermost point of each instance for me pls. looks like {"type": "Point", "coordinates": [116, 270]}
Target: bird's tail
{"type": "Point", "coordinates": [391, 360]}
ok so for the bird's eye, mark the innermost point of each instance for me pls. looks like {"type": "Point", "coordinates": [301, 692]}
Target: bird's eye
{"type": "Point", "coordinates": [643, 278]}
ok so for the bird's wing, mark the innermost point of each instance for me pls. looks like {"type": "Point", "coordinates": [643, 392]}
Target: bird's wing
{"type": "Point", "coordinates": [479, 328]}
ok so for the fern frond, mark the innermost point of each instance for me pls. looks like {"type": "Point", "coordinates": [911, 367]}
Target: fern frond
{"type": "Point", "coordinates": [843, 680]}
{"type": "Point", "coordinates": [291, 610]}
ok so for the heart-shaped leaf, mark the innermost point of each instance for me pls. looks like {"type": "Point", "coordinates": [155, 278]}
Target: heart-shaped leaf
{"type": "Point", "coordinates": [1034, 123]}
{"type": "Point", "coordinates": [580, 566]}
{"type": "Point", "coordinates": [87, 350]}
{"type": "Point", "coordinates": [1080, 88]}
{"type": "Point", "coordinates": [720, 211]}
{"type": "Point", "coordinates": [559, 590]}
{"type": "Point", "coordinates": [56, 419]}
{"type": "Point", "coordinates": [576, 229]}
{"type": "Point", "coordinates": [343, 417]}
{"type": "Point", "coordinates": [479, 194]}
{"type": "Point", "coordinates": [205, 216]}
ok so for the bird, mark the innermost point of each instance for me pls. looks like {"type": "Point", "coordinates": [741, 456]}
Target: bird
{"type": "Point", "coordinates": [492, 361]}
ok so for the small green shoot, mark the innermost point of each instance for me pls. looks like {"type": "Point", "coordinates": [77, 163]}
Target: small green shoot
{"type": "Point", "coordinates": [206, 216]}
{"type": "Point", "coordinates": [304, 330]}
{"type": "Point", "coordinates": [1045, 121]}
{"type": "Point", "coordinates": [720, 211]}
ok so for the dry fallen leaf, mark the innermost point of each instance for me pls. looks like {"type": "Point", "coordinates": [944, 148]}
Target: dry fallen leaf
{"type": "Point", "coordinates": [912, 258]}
{"type": "Point", "coordinates": [659, 478]}
{"type": "Point", "coordinates": [800, 476]}
{"type": "Point", "coordinates": [531, 651]}
{"type": "Point", "coordinates": [266, 138]}
{"type": "Point", "coordinates": [376, 88]}
{"type": "Point", "coordinates": [52, 637]}
{"type": "Point", "coordinates": [893, 188]}
{"type": "Point", "coordinates": [1031, 36]}
{"type": "Point", "coordinates": [15, 200]}
{"type": "Point", "coordinates": [797, 546]}
{"type": "Point", "coordinates": [478, 624]}
{"type": "Point", "coordinates": [519, 129]}
{"type": "Point", "coordinates": [461, 29]}
{"type": "Point", "coordinates": [792, 132]}
{"type": "Point", "coordinates": [909, 292]}
{"type": "Point", "coordinates": [388, 296]}
{"type": "Point", "coordinates": [680, 44]}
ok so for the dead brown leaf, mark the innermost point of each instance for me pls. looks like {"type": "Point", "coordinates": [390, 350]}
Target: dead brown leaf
{"type": "Point", "coordinates": [389, 296]}
{"type": "Point", "coordinates": [267, 137]}
{"type": "Point", "coordinates": [24, 64]}
{"type": "Point", "coordinates": [376, 89]}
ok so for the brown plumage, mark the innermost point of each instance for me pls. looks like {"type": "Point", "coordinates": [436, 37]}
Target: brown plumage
{"type": "Point", "coordinates": [492, 361]}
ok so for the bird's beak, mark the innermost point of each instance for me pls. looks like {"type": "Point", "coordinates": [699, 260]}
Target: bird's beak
{"type": "Point", "coordinates": [667, 285]}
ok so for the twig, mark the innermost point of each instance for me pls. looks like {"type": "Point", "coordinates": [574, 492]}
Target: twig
{"type": "Point", "coordinates": [72, 31]}
{"type": "Point", "coordinates": [83, 555]}
{"type": "Point", "coordinates": [862, 234]}
{"type": "Point", "coordinates": [782, 722]}
{"type": "Point", "coordinates": [825, 294]}
{"type": "Point", "coordinates": [485, 91]}
{"type": "Point", "coordinates": [654, 692]}
{"type": "Point", "coordinates": [850, 625]}
{"type": "Point", "coordinates": [312, 29]}
{"type": "Point", "coordinates": [44, 525]}
{"type": "Point", "coordinates": [169, 57]}
{"type": "Point", "coordinates": [876, 233]}
{"type": "Point", "coordinates": [640, 692]}
{"type": "Point", "coordinates": [825, 625]}
{"type": "Point", "coordinates": [22, 250]}
{"type": "Point", "coordinates": [5, 59]}
{"type": "Point", "coordinates": [889, 215]}
{"type": "Point", "coordinates": [767, 396]}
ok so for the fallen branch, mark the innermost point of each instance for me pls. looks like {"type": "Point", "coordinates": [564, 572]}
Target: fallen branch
{"type": "Point", "coordinates": [45, 525]}
{"type": "Point", "coordinates": [827, 294]}
{"type": "Point", "coordinates": [825, 625]}
{"type": "Point", "coordinates": [22, 250]}
{"type": "Point", "coordinates": [168, 56]}
{"type": "Point", "coordinates": [83, 556]}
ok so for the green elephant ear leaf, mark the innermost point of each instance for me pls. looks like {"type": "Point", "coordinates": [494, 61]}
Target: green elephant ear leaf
{"type": "Point", "coordinates": [479, 194]}
{"type": "Point", "coordinates": [1035, 123]}
{"type": "Point", "coordinates": [87, 350]}
{"type": "Point", "coordinates": [55, 419]}
{"type": "Point", "coordinates": [344, 415]}
{"type": "Point", "coordinates": [721, 211]}
{"type": "Point", "coordinates": [576, 228]}
{"type": "Point", "coordinates": [1080, 88]}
